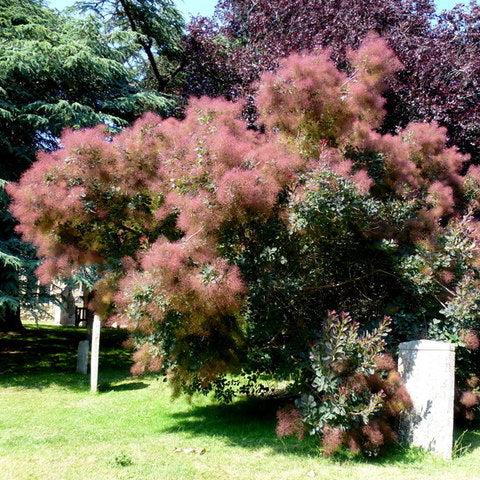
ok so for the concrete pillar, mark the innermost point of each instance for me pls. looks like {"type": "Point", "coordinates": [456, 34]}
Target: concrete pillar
{"type": "Point", "coordinates": [82, 357]}
{"type": "Point", "coordinates": [95, 353]}
{"type": "Point", "coordinates": [64, 313]}
{"type": "Point", "coordinates": [428, 370]}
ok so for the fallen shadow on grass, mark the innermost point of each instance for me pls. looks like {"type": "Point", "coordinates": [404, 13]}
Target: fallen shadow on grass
{"type": "Point", "coordinates": [246, 423]}
{"type": "Point", "coordinates": [76, 382]}
{"type": "Point", "coordinates": [122, 387]}
{"type": "Point", "coordinates": [250, 424]}
{"type": "Point", "coordinates": [46, 356]}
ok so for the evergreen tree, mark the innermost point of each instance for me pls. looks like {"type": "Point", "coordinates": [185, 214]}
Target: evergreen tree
{"type": "Point", "coordinates": [57, 71]}
{"type": "Point", "coordinates": [156, 27]}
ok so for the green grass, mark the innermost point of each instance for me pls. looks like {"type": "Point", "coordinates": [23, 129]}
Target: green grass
{"type": "Point", "coordinates": [51, 427]}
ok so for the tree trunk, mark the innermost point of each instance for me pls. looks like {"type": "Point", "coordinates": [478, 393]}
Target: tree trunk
{"type": "Point", "coordinates": [161, 82]}
{"type": "Point", "coordinates": [10, 320]}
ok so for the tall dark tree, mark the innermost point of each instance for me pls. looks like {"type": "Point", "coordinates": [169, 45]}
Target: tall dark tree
{"type": "Point", "coordinates": [157, 28]}
{"type": "Point", "coordinates": [56, 71]}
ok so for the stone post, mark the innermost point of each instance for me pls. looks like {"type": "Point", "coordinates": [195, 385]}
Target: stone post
{"type": "Point", "coordinates": [95, 353]}
{"type": "Point", "coordinates": [428, 370]}
{"type": "Point", "coordinates": [60, 316]}
{"type": "Point", "coordinates": [82, 357]}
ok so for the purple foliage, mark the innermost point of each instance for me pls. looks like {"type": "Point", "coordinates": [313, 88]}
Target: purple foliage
{"type": "Point", "coordinates": [440, 53]}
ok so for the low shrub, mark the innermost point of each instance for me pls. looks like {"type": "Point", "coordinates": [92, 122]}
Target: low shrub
{"type": "Point", "coordinates": [355, 393]}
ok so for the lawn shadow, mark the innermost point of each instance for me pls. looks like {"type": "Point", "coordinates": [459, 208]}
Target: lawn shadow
{"type": "Point", "coordinates": [77, 382]}
{"type": "Point", "coordinates": [122, 387]}
{"type": "Point", "coordinates": [251, 423]}
{"type": "Point", "coordinates": [47, 355]}
{"type": "Point", "coordinates": [248, 423]}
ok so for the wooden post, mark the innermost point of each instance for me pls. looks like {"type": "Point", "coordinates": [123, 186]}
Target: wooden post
{"type": "Point", "coordinates": [95, 353]}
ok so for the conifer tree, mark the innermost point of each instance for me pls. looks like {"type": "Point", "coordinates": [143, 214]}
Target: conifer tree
{"type": "Point", "coordinates": [57, 71]}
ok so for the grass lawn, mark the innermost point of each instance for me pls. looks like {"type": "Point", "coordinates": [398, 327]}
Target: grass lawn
{"type": "Point", "coordinates": [51, 427]}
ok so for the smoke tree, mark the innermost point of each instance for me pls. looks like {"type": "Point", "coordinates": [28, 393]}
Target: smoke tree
{"type": "Point", "coordinates": [223, 248]}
